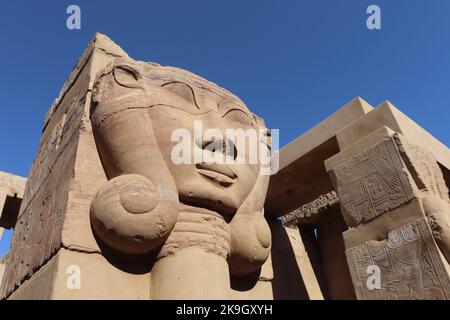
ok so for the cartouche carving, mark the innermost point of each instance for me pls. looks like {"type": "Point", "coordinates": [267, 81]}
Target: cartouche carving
{"type": "Point", "coordinates": [150, 203]}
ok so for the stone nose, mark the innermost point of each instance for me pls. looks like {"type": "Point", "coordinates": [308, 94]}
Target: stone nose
{"type": "Point", "coordinates": [214, 140]}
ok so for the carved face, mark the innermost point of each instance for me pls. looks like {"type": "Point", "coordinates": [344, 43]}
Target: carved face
{"type": "Point", "coordinates": [218, 186]}
{"type": "Point", "coordinates": [137, 107]}
{"type": "Point", "coordinates": [171, 99]}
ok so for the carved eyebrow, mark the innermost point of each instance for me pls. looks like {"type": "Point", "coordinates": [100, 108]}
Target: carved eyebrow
{"type": "Point", "coordinates": [199, 112]}
{"type": "Point", "coordinates": [184, 85]}
{"type": "Point", "coordinates": [249, 116]}
{"type": "Point", "coordinates": [236, 109]}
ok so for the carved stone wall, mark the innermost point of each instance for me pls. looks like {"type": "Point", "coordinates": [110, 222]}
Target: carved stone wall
{"type": "Point", "coordinates": [410, 265]}
{"type": "Point", "coordinates": [395, 201]}
{"type": "Point", "coordinates": [372, 183]}
{"type": "Point", "coordinates": [53, 209]}
{"type": "Point", "coordinates": [308, 210]}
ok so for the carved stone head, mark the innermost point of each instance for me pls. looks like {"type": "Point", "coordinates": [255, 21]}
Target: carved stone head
{"type": "Point", "coordinates": [137, 109]}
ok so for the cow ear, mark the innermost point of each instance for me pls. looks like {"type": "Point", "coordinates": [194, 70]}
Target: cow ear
{"type": "Point", "coordinates": [250, 235]}
{"type": "Point", "coordinates": [250, 244]}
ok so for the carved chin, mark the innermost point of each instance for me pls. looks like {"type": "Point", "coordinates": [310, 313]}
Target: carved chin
{"type": "Point", "coordinates": [202, 193]}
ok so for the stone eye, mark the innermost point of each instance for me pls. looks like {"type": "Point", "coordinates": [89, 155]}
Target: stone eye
{"type": "Point", "coordinates": [182, 90]}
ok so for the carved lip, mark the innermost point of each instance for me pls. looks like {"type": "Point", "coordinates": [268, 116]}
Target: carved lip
{"type": "Point", "coordinates": [219, 172]}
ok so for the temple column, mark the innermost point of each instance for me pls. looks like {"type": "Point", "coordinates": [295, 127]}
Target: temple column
{"type": "Point", "coordinates": [333, 262]}
{"type": "Point", "coordinates": [395, 201]}
{"type": "Point", "coordinates": [192, 263]}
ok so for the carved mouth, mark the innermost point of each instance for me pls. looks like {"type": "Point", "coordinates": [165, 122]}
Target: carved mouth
{"type": "Point", "coordinates": [218, 172]}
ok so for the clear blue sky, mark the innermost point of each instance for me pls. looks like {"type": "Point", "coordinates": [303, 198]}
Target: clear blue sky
{"type": "Point", "coordinates": [293, 62]}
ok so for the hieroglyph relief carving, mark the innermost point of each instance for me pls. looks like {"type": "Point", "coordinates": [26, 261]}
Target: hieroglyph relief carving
{"type": "Point", "coordinates": [318, 205]}
{"type": "Point", "coordinates": [410, 265]}
{"type": "Point", "coordinates": [423, 167]}
{"type": "Point", "coordinates": [372, 183]}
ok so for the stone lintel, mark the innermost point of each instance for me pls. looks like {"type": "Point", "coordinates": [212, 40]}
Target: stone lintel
{"type": "Point", "coordinates": [11, 193]}
{"type": "Point", "coordinates": [309, 211]}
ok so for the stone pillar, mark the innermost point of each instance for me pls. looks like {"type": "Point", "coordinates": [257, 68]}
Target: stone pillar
{"type": "Point", "coordinates": [294, 275]}
{"type": "Point", "coordinates": [193, 260]}
{"type": "Point", "coordinates": [105, 202]}
{"type": "Point", "coordinates": [322, 226]}
{"type": "Point", "coordinates": [394, 199]}
{"type": "Point", "coordinates": [2, 270]}
{"type": "Point", "coordinates": [53, 231]}
{"type": "Point", "coordinates": [333, 262]}
{"type": "Point", "coordinates": [287, 274]}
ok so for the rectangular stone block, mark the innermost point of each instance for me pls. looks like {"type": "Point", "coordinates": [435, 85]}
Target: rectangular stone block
{"type": "Point", "coordinates": [383, 176]}
{"type": "Point", "coordinates": [408, 265]}
{"type": "Point", "coordinates": [64, 176]}
{"type": "Point", "coordinates": [71, 275]}
{"type": "Point", "coordinates": [372, 183]}
{"type": "Point", "coordinates": [388, 115]}
{"type": "Point", "coordinates": [392, 192]}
